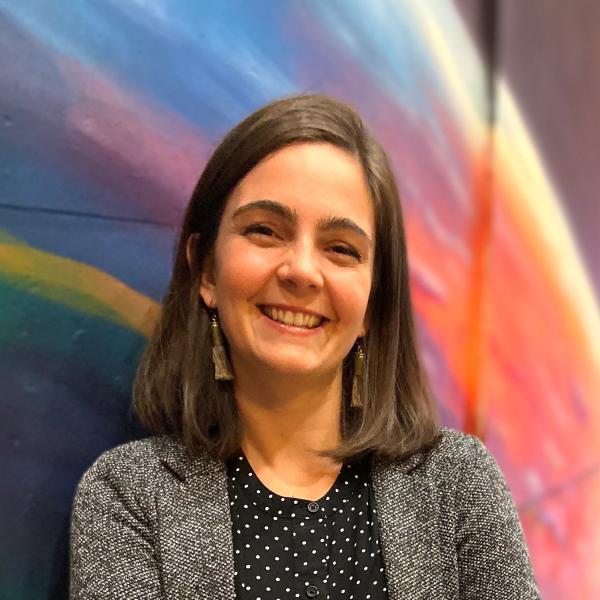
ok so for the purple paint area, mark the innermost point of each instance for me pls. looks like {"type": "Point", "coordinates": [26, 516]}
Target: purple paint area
{"type": "Point", "coordinates": [548, 53]}
{"type": "Point", "coordinates": [551, 521]}
{"type": "Point", "coordinates": [47, 446]}
{"type": "Point", "coordinates": [101, 149]}
{"type": "Point", "coordinates": [445, 388]}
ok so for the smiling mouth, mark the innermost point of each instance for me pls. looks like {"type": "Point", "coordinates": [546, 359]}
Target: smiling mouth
{"type": "Point", "coordinates": [287, 317]}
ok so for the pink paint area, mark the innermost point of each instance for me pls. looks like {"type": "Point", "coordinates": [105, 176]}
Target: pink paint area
{"type": "Point", "coordinates": [126, 143]}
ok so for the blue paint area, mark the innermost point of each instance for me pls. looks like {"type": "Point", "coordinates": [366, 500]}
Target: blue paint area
{"type": "Point", "coordinates": [66, 378]}
{"type": "Point", "coordinates": [213, 63]}
{"type": "Point", "coordinates": [390, 44]}
{"type": "Point", "coordinates": [42, 165]}
{"type": "Point", "coordinates": [52, 182]}
{"type": "Point", "coordinates": [385, 42]}
{"type": "Point", "coordinates": [210, 62]}
{"type": "Point", "coordinates": [138, 254]}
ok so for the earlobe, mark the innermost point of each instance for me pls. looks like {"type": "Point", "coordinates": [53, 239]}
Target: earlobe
{"type": "Point", "coordinates": [208, 295]}
{"type": "Point", "coordinates": [364, 329]}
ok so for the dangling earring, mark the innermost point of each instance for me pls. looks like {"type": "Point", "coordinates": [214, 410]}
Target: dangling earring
{"type": "Point", "coordinates": [223, 370]}
{"type": "Point", "coordinates": [357, 380]}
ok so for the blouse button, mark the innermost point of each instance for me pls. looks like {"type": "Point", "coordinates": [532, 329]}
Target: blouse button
{"type": "Point", "coordinates": [313, 507]}
{"type": "Point", "coordinates": [312, 591]}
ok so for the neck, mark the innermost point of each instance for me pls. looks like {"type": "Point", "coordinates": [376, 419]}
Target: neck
{"type": "Point", "coordinates": [286, 420]}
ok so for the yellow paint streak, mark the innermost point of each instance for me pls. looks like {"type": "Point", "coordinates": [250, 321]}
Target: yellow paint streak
{"type": "Point", "coordinates": [537, 209]}
{"type": "Point", "coordinates": [75, 285]}
{"type": "Point", "coordinates": [463, 72]}
{"type": "Point", "coordinates": [517, 160]}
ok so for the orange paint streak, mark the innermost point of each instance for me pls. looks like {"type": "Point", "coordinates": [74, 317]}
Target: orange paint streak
{"type": "Point", "coordinates": [481, 240]}
{"type": "Point", "coordinates": [456, 312]}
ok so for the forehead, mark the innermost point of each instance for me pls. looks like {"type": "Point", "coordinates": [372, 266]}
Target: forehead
{"type": "Point", "coordinates": [311, 178]}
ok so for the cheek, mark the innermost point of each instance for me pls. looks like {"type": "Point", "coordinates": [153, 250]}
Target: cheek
{"type": "Point", "coordinates": [240, 273]}
{"type": "Point", "coordinates": [350, 295]}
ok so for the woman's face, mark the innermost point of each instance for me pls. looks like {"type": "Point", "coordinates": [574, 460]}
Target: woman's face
{"type": "Point", "coordinates": [292, 264]}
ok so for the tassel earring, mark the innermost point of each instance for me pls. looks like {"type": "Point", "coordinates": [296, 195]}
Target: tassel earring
{"type": "Point", "coordinates": [223, 370]}
{"type": "Point", "coordinates": [357, 380]}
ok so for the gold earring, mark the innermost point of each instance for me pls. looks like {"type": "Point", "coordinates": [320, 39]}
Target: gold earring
{"type": "Point", "coordinates": [357, 379]}
{"type": "Point", "coordinates": [223, 370]}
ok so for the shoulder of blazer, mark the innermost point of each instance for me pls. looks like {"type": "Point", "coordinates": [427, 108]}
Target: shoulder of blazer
{"type": "Point", "coordinates": [442, 462]}
{"type": "Point", "coordinates": [445, 481]}
{"type": "Point", "coordinates": [142, 463]}
{"type": "Point", "coordinates": [145, 461]}
{"type": "Point", "coordinates": [163, 513]}
{"type": "Point", "coordinates": [149, 454]}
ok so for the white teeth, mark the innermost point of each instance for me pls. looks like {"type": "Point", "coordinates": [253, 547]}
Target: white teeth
{"type": "Point", "coordinates": [299, 320]}
{"type": "Point", "coordinates": [290, 318]}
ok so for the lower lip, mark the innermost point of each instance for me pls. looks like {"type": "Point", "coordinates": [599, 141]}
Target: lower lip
{"type": "Point", "coordinates": [291, 329]}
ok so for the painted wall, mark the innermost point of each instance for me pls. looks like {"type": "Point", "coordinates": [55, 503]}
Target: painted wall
{"type": "Point", "coordinates": [546, 281]}
{"type": "Point", "coordinates": [110, 109]}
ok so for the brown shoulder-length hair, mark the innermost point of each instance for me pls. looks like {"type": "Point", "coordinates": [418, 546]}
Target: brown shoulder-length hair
{"type": "Point", "coordinates": [175, 391]}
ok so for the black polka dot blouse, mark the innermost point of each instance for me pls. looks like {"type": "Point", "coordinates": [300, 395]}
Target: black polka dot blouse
{"type": "Point", "coordinates": [293, 548]}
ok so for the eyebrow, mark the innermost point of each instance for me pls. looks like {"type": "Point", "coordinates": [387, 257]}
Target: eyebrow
{"type": "Point", "coordinates": [287, 213]}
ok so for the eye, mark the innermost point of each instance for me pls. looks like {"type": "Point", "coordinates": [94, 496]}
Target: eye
{"type": "Point", "coordinates": [258, 229]}
{"type": "Point", "coordinates": [346, 251]}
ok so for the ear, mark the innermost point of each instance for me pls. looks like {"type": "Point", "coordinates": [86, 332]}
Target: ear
{"type": "Point", "coordinates": [190, 246]}
{"type": "Point", "coordinates": [207, 278]}
{"type": "Point", "coordinates": [208, 286]}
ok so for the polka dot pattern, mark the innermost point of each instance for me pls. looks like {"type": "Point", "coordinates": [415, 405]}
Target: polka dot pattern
{"type": "Point", "coordinates": [287, 547]}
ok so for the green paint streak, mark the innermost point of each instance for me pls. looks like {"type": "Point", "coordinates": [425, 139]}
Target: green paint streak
{"type": "Point", "coordinates": [57, 293]}
{"type": "Point", "coordinates": [7, 238]}
{"type": "Point", "coordinates": [30, 322]}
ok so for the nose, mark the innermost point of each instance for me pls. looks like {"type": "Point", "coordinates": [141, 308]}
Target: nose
{"type": "Point", "coordinates": [300, 267]}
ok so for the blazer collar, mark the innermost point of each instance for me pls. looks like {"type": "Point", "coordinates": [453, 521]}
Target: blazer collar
{"type": "Point", "coordinates": [184, 465]}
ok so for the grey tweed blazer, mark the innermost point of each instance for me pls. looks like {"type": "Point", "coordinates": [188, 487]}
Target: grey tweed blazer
{"type": "Point", "coordinates": [150, 521]}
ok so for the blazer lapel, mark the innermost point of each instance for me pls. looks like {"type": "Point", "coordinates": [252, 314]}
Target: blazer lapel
{"type": "Point", "coordinates": [407, 509]}
{"type": "Point", "coordinates": [195, 537]}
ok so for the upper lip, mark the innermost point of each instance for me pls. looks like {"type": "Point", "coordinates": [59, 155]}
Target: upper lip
{"type": "Point", "coordinates": [295, 309]}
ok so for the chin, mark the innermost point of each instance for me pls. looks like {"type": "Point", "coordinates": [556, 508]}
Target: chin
{"type": "Point", "coordinates": [289, 368]}
{"type": "Point", "coordinates": [295, 367]}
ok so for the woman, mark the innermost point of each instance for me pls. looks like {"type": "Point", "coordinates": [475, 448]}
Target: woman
{"type": "Point", "coordinates": [299, 452]}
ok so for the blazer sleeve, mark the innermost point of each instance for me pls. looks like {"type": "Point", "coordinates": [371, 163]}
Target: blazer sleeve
{"type": "Point", "coordinates": [493, 560]}
{"type": "Point", "coordinates": [112, 552]}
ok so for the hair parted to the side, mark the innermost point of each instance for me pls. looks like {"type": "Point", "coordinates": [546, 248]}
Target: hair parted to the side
{"type": "Point", "coordinates": [175, 391]}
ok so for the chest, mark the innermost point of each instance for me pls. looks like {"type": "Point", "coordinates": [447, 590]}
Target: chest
{"type": "Point", "coordinates": [194, 538]}
{"type": "Point", "coordinates": [292, 547]}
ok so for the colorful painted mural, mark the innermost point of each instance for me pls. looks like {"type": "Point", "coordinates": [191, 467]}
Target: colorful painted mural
{"type": "Point", "coordinates": [108, 112]}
